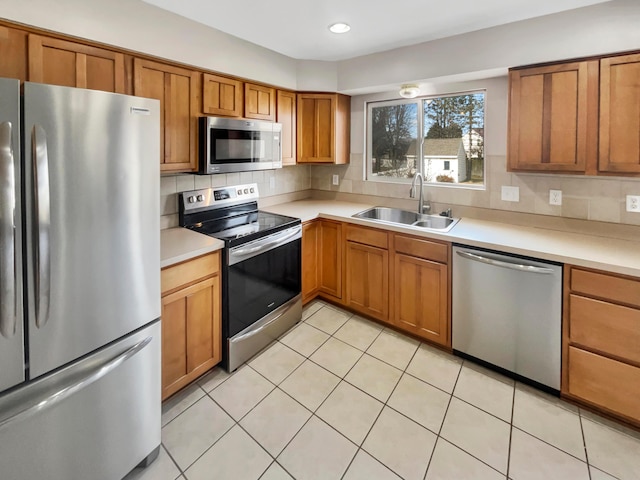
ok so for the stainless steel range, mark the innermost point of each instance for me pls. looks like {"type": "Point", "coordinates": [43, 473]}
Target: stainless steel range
{"type": "Point", "coordinates": [261, 271]}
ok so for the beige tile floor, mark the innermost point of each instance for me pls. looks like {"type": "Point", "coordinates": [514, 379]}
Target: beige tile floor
{"type": "Point", "coordinates": [340, 397]}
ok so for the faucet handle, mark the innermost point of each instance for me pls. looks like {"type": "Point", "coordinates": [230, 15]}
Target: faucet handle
{"type": "Point", "coordinates": [426, 207]}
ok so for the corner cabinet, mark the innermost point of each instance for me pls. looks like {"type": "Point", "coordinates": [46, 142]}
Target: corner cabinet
{"type": "Point", "coordinates": [177, 90]}
{"type": "Point", "coordinates": [321, 260]}
{"type": "Point", "coordinates": [420, 288]}
{"type": "Point", "coordinates": [70, 64]}
{"type": "Point", "coordinates": [367, 271]}
{"type": "Point", "coordinates": [601, 341]}
{"type": "Point", "coordinates": [552, 126]}
{"type": "Point", "coordinates": [323, 128]}
{"type": "Point", "coordinates": [191, 321]}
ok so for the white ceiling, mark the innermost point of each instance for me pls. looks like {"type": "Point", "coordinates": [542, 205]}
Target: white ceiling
{"type": "Point", "coordinates": [298, 28]}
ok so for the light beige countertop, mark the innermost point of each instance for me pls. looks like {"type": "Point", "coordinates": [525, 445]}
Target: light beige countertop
{"type": "Point", "coordinates": [593, 251]}
{"type": "Point", "coordinates": [180, 244]}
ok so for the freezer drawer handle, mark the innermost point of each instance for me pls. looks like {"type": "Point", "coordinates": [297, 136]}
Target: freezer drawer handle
{"type": "Point", "coordinates": [38, 404]}
{"type": "Point", "coordinates": [8, 320]}
{"type": "Point", "coordinates": [42, 225]}
{"type": "Point", "coordinates": [498, 263]}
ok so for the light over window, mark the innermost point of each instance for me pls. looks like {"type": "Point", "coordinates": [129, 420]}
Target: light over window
{"type": "Point", "coordinates": [441, 137]}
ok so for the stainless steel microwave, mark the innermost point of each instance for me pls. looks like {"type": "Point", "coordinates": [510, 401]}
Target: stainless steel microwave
{"type": "Point", "coordinates": [238, 145]}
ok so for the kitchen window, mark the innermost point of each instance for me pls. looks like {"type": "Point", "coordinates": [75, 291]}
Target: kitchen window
{"type": "Point", "coordinates": [441, 137]}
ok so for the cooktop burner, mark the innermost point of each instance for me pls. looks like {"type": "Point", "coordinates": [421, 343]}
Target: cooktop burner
{"type": "Point", "coordinates": [230, 214]}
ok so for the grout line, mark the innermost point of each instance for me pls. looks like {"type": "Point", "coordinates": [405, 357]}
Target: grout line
{"type": "Point", "coordinates": [511, 427]}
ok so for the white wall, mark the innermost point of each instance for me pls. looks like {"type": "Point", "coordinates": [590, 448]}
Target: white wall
{"type": "Point", "coordinates": [602, 28]}
{"type": "Point", "coordinates": [135, 25]}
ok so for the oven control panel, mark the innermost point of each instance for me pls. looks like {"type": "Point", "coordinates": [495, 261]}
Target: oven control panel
{"type": "Point", "coordinates": [219, 196]}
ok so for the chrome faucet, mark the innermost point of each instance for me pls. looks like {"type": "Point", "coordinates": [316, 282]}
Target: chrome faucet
{"type": "Point", "coordinates": [423, 207]}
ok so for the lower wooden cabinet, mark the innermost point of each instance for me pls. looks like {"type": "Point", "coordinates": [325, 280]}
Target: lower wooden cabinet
{"type": "Point", "coordinates": [601, 341]}
{"type": "Point", "coordinates": [191, 321]}
{"type": "Point", "coordinates": [367, 271]}
{"type": "Point", "coordinates": [321, 259]}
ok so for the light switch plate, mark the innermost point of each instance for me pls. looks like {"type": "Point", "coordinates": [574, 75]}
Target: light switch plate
{"type": "Point", "coordinates": [510, 194]}
{"type": "Point", "coordinates": [336, 180]}
{"type": "Point", "coordinates": [555, 197]}
{"type": "Point", "coordinates": [633, 203]}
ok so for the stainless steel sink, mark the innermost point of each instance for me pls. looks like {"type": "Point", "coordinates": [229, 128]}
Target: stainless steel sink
{"type": "Point", "coordinates": [397, 216]}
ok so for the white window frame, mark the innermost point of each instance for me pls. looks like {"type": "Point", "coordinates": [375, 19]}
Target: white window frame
{"type": "Point", "coordinates": [420, 121]}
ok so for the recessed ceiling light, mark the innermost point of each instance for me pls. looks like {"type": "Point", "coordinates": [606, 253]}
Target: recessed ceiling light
{"type": "Point", "coordinates": [339, 27]}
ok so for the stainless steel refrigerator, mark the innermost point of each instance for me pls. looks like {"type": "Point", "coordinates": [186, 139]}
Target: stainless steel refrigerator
{"type": "Point", "coordinates": [79, 282]}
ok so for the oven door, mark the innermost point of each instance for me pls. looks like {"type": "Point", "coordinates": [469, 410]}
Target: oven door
{"type": "Point", "coordinates": [237, 145]}
{"type": "Point", "coordinates": [263, 292]}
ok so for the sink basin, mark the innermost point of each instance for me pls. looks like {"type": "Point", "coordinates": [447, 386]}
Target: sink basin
{"type": "Point", "coordinates": [397, 216]}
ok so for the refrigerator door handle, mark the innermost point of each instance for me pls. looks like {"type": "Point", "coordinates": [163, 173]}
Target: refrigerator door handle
{"type": "Point", "coordinates": [8, 320]}
{"type": "Point", "coordinates": [42, 225]}
{"type": "Point", "coordinates": [36, 405]}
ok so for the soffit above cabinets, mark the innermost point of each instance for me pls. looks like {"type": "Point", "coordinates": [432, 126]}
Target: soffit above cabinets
{"type": "Point", "coordinates": [299, 28]}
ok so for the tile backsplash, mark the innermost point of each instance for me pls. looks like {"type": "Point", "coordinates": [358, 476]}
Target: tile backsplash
{"type": "Point", "coordinates": [586, 198]}
{"type": "Point", "coordinates": [286, 180]}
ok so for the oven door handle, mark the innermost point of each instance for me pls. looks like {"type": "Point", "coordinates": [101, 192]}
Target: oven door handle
{"type": "Point", "coordinates": [269, 243]}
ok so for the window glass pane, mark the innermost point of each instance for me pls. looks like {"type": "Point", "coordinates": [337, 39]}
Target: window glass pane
{"type": "Point", "coordinates": [453, 148]}
{"type": "Point", "coordinates": [393, 141]}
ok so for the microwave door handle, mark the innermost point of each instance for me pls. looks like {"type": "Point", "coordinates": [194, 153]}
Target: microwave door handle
{"type": "Point", "coordinates": [8, 320]}
{"type": "Point", "coordinates": [42, 225]}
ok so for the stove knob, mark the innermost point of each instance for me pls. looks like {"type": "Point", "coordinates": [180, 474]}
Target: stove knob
{"type": "Point", "coordinates": [191, 199]}
{"type": "Point", "coordinates": [252, 190]}
{"type": "Point", "coordinates": [201, 198]}
{"type": "Point", "coordinates": [239, 192]}
{"type": "Point", "coordinates": [246, 190]}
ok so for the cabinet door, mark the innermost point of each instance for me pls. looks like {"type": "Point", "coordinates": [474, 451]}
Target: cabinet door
{"type": "Point", "coordinates": [552, 118]}
{"type": "Point", "coordinates": [221, 96]}
{"type": "Point", "coordinates": [176, 88]}
{"type": "Point", "coordinates": [367, 274]}
{"type": "Point", "coordinates": [70, 64]}
{"type": "Point", "coordinates": [13, 52]}
{"type": "Point", "coordinates": [620, 114]}
{"type": "Point", "coordinates": [330, 258]}
{"type": "Point", "coordinates": [259, 102]}
{"type": "Point", "coordinates": [310, 253]}
{"type": "Point", "coordinates": [191, 336]}
{"type": "Point", "coordinates": [316, 139]}
{"type": "Point", "coordinates": [286, 110]}
{"type": "Point", "coordinates": [420, 291]}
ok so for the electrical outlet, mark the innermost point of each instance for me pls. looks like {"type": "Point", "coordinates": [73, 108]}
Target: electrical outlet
{"type": "Point", "coordinates": [633, 203]}
{"type": "Point", "coordinates": [555, 197]}
{"type": "Point", "coordinates": [510, 194]}
{"type": "Point", "coordinates": [335, 180]}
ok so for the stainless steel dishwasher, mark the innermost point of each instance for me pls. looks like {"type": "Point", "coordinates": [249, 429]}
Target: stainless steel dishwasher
{"type": "Point", "coordinates": [507, 312]}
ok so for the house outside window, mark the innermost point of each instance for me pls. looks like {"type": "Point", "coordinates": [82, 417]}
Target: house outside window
{"type": "Point", "coordinates": [441, 137]}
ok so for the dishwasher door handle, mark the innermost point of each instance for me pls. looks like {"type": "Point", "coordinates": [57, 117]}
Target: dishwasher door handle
{"type": "Point", "coordinates": [500, 263]}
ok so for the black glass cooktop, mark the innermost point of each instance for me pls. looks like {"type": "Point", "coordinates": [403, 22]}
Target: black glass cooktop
{"type": "Point", "coordinates": [245, 228]}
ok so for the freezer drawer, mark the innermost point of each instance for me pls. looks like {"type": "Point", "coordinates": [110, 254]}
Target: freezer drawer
{"type": "Point", "coordinates": [101, 430]}
{"type": "Point", "coordinates": [507, 311]}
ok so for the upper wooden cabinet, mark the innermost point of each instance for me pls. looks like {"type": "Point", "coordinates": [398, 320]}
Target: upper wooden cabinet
{"type": "Point", "coordinates": [177, 90]}
{"type": "Point", "coordinates": [13, 52]}
{"type": "Point", "coordinates": [323, 128]}
{"type": "Point", "coordinates": [286, 115]}
{"type": "Point", "coordinates": [221, 96]}
{"type": "Point", "coordinates": [70, 64]}
{"type": "Point", "coordinates": [259, 102]}
{"type": "Point", "coordinates": [620, 114]}
{"type": "Point", "coordinates": [551, 117]}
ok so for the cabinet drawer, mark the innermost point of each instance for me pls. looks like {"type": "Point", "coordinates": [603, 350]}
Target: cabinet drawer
{"type": "Point", "coordinates": [188, 272]}
{"type": "Point", "coordinates": [606, 327]}
{"type": "Point", "coordinates": [617, 289]}
{"type": "Point", "coordinates": [421, 248]}
{"type": "Point", "coordinates": [605, 382]}
{"type": "Point", "coordinates": [367, 236]}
